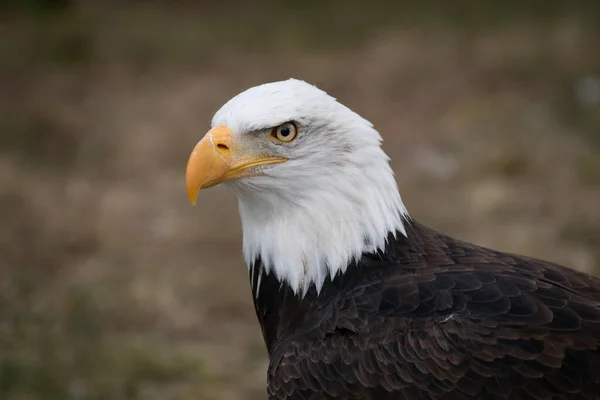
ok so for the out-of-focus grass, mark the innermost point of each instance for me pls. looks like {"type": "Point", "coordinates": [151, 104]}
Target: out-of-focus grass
{"type": "Point", "coordinates": [111, 287]}
{"type": "Point", "coordinates": [176, 33]}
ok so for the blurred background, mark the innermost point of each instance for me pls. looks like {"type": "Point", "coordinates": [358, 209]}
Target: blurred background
{"type": "Point", "coordinates": [113, 287]}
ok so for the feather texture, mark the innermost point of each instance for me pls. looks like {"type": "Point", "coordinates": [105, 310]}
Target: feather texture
{"type": "Point", "coordinates": [432, 317]}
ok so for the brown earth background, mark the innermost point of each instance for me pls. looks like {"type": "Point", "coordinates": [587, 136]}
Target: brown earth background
{"type": "Point", "coordinates": [113, 287]}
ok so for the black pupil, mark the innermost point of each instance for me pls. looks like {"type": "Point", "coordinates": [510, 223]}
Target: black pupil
{"type": "Point", "coordinates": [285, 131]}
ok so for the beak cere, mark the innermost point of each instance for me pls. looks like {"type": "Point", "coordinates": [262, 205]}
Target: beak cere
{"type": "Point", "coordinates": [216, 159]}
{"type": "Point", "coordinates": [209, 162]}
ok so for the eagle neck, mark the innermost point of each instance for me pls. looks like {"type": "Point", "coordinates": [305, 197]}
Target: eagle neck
{"type": "Point", "coordinates": [303, 238]}
{"type": "Point", "coordinates": [283, 313]}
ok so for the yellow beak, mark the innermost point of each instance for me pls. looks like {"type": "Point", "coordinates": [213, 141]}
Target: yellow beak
{"type": "Point", "coordinates": [217, 159]}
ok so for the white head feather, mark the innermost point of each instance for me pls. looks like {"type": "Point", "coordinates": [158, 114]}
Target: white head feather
{"type": "Point", "coordinates": [334, 199]}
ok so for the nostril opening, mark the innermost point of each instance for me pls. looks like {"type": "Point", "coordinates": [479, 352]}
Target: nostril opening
{"type": "Point", "coordinates": [222, 147]}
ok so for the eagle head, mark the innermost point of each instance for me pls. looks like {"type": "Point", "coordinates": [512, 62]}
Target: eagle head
{"type": "Point", "coordinates": [314, 186]}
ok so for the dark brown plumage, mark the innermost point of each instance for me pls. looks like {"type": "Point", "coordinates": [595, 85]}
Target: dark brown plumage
{"type": "Point", "coordinates": [432, 317]}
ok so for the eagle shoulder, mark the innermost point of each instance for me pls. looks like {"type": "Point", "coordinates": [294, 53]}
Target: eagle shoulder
{"type": "Point", "coordinates": [435, 318]}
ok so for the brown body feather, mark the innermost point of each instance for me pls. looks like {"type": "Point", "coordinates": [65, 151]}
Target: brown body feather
{"type": "Point", "coordinates": [432, 317]}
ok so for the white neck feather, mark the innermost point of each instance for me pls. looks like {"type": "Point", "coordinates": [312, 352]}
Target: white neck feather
{"type": "Point", "coordinates": [305, 234]}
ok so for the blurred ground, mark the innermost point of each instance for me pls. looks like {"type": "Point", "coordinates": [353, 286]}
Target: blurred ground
{"type": "Point", "coordinates": [113, 287]}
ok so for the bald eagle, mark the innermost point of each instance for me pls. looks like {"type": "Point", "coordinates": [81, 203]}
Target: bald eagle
{"type": "Point", "coordinates": [357, 300]}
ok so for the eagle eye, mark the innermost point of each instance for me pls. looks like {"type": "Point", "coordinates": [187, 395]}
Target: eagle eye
{"type": "Point", "coordinates": [285, 133]}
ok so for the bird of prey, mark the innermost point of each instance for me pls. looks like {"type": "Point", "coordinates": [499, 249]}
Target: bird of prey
{"type": "Point", "coordinates": [356, 299]}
